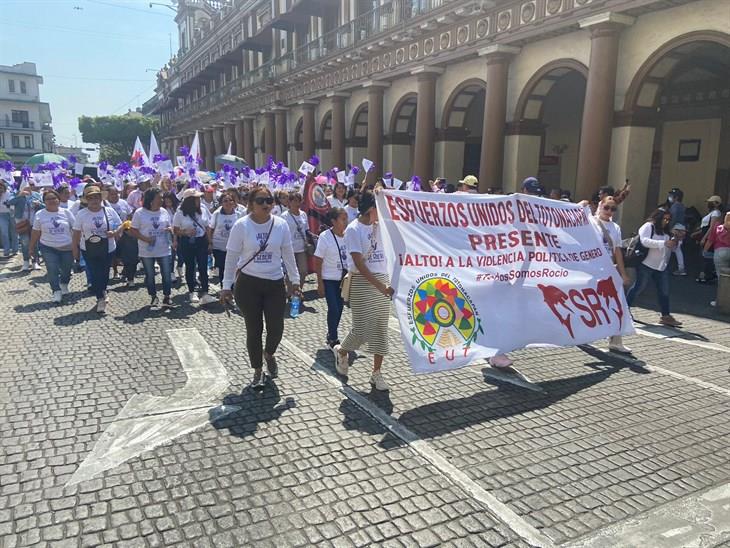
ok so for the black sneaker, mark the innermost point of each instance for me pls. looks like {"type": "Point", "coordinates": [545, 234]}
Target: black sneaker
{"type": "Point", "coordinates": [258, 380]}
{"type": "Point", "coordinates": [155, 302]}
{"type": "Point", "coordinates": [272, 367]}
{"type": "Point", "coordinates": [167, 302]}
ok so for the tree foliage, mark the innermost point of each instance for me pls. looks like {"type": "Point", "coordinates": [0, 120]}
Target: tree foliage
{"type": "Point", "coordinates": [3, 155]}
{"type": "Point", "coordinates": [116, 134]}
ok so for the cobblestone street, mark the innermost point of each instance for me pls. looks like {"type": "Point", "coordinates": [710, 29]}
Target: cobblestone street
{"type": "Point", "coordinates": [595, 450]}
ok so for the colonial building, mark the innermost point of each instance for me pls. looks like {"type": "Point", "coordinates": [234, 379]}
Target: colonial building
{"type": "Point", "coordinates": [580, 93]}
{"type": "Point", "coordinates": [25, 121]}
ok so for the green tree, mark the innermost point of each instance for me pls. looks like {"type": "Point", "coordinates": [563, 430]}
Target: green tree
{"type": "Point", "coordinates": [3, 155]}
{"type": "Point", "coordinates": [116, 134]}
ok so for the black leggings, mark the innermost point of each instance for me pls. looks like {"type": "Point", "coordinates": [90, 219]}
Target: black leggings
{"type": "Point", "coordinates": [261, 299]}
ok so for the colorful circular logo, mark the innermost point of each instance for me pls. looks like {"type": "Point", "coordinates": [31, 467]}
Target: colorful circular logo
{"type": "Point", "coordinates": [443, 315]}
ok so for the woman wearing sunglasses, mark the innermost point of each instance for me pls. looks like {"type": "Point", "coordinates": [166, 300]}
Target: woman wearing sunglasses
{"type": "Point", "coordinates": [256, 247]}
{"type": "Point", "coordinates": [610, 233]}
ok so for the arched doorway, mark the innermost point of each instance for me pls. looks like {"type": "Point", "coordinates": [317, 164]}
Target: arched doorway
{"type": "Point", "coordinates": [683, 91]}
{"type": "Point", "coordinates": [548, 116]}
{"type": "Point", "coordinates": [460, 137]}
{"type": "Point", "coordinates": [357, 143]}
{"type": "Point", "coordinates": [399, 142]}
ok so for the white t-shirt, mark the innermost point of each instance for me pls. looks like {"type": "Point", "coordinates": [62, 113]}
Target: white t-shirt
{"type": "Point", "coordinates": [614, 233]}
{"type": "Point", "coordinates": [70, 204]}
{"type": "Point", "coordinates": [332, 260]}
{"type": "Point", "coordinates": [334, 202]}
{"type": "Point", "coordinates": [297, 228]}
{"type": "Point", "coordinates": [95, 223]}
{"type": "Point", "coordinates": [278, 210]}
{"type": "Point", "coordinates": [352, 213]}
{"type": "Point", "coordinates": [222, 225]}
{"type": "Point", "coordinates": [135, 199]}
{"type": "Point", "coordinates": [55, 227]}
{"type": "Point", "coordinates": [707, 219]}
{"type": "Point", "coordinates": [366, 240]}
{"type": "Point", "coordinates": [186, 223]}
{"type": "Point", "coordinates": [246, 239]}
{"type": "Point", "coordinates": [123, 209]}
{"type": "Point", "coordinates": [153, 224]}
{"type": "Point", "coordinates": [4, 197]}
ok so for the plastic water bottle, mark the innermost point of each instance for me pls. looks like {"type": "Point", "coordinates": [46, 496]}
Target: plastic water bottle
{"type": "Point", "coordinates": [296, 302]}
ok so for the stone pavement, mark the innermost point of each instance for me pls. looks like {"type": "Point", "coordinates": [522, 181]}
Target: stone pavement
{"type": "Point", "coordinates": [601, 452]}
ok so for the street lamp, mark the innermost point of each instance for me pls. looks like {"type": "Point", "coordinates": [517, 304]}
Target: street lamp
{"type": "Point", "coordinates": [168, 6]}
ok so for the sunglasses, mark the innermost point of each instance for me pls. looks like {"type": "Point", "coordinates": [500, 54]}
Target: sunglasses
{"type": "Point", "coordinates": [261, 200]}
{"type": "Point", "coordinates": [226, 200]}
{"type": "Point", "coordinates": [609, 208]}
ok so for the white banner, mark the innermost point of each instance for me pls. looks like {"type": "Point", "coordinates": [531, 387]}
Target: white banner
{"type": "Point", "coordinates": [478, 275]}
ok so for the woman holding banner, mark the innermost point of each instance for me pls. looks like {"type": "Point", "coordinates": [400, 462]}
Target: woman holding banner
{"type": "Point", "coordinates": [370, 291]}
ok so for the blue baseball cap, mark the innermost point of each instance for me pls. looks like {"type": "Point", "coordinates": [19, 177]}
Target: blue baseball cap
{"type": "Point", "coordinates": [532, 186]}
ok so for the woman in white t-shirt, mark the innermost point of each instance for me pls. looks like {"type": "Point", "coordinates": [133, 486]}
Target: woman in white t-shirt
{"type": "Point", "coordinates": [610, 234]}
{"type": "Point", "coordinates": [339, 196]}
{"type": "Point", "coordinates": [152, 226]}
{"type": "Point", "coordinates": [190, 223]}
{"type": "Point", "coordinates": [707, 226]}
{"type": "Point", "coordinates": [96, 229]}
{"type": "Point", "coordinates": [219, 229]}
{"type": "Point", "coordinates": [257, 246]}
{"type": "Point", "coordinates": [299, 229]}
{"type": "Point", "coordinates": [53, 228]}
{"type": "Point", "coordinates": [351, 206]}
{"type": "Point", "coordinates": [654, 235]}
{"type": "Point", "coordinates": [330, 265]}
{"type": "Point", "coordinates": [370, 291]}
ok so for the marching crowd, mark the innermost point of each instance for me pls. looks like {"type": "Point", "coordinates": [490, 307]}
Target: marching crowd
{"type": "Point", "coordinates": [258, 242]}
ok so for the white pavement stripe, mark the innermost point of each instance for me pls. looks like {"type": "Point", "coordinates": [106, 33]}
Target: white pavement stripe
{"type": "Point", "coordinates": [696, 520]}
{"type": "Point", "coordinates": [148, 421]}
{"type": "Point", "coordinates": [670, 335]}
{"type": "Point", "coordinates": [513, 520]}
{"type": "Point", "coordinates": [662, 371]}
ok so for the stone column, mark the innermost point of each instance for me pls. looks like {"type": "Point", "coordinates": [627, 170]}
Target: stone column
{"type": "Point", "coordinates": [425, 123]}
{"type": "Point", "coordinates": [307, 130]}
{"type": "Point", "coordinates": [495, 113]}
{"type": "Point", "coordinates": [209, 149]}
{"type": "Point", "coordinates": [281, 140]}
{"type": "Point", "coordinates": [238, 132]}
{"type": "Point", "coordinates": [595, 136]}
{"type": "Point", "coordinates": [269, 135]}
{"type": "Point", "coordinates": [219, 141]}
{"type": "Point", "coordinates": [375, 124]}
{"type": "Point", "coordinates": [202, 145]}
{"type": "Point", "coordinates": [249, 153]}
{"type": "Point", "coordinates": [338, 129]}
{"type": "Point", "coordinates": [229, 137]}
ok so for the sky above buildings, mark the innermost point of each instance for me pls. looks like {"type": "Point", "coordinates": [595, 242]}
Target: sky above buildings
{"type": "Point", "coordinates": [97, 57]}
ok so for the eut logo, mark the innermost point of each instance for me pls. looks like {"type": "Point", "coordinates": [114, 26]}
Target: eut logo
{"type": "Point", "coordinates": [591, 306]}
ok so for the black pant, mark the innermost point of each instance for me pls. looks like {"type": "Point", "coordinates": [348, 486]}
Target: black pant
{"type": "Point", "coordinates": [258, 299]}
{"type": "Point", "coordinates": [194, 254]}
{"type": "Point", "coordinates": [220, 263]}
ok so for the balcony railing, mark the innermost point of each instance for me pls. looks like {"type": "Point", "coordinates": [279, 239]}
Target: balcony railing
{"type": "Point", "coordinates": [9, 123]}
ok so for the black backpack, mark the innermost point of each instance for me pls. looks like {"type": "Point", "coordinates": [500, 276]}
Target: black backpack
{"type": "Point", "coordinates": [634, 251]}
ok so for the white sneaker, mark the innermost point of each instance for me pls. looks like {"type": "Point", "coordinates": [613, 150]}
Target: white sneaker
{"type": "Point", "coordinates": [179, 272]}
{"type": "Point", "coordinates": [680, 272]}
{"type": "Point", "coordinates": [101, 306]}
{"type": "Point", "coordinates": [64, 289]}
{"type": "Point", "coordinates": [341, 360]}
{"type": "Point", "coordinates": [57, 297]}
{"type": "Point", "coordinates": [26, 266]}
{"type": "Point", "coordinates": [194, 297]}
{"type": "Point", "coordinates": [616, 344]}
{"type": "Point", "coordinates": [500, 361]}
{"type": "Point", "coordinates": [713, 303]}
{"type": "Point", "coordinates": [36, 266]}
{"type": "Point", "coordinates": [208, 299]}
{"type": "Point", "coordinates": [378, 382]}
{"type": "Point", "coordinates": [173, 277]}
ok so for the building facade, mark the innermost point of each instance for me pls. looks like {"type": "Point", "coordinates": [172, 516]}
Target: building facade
{"type": "Point", "coordinates": [25, 121]}
{"type": "Point", "coordinates": [581, 93]}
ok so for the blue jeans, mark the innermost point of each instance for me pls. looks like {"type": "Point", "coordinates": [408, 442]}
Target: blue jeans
{"type": "Point", "coordinates": [98, 271]}
{"type": "Point", "coordinates": [165, 271]}
{"type": "Point", "coordinates": [58, 265]}
{"type": "Point", "coordinates": [661, 281]}
{"type": "Point", "coordinates": [24, 240]}
{"type": "Point", "coordinates": [7, 231]}
{"type": "Point", "coordinates": [335, 305]}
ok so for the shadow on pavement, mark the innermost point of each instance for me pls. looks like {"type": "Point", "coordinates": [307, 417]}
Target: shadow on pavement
{"type": "Point", "coordinates": [671, 332]}
{"type": "Point", "coordinates": [254, 408]}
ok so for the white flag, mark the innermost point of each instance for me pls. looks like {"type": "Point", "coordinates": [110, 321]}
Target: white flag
{"type": "Point", "coordinates": [230, 147]}
{"type": "Point", "coordinates": [139, 153]}
{"type": "Point", "coordinates": [154, 148]}
{"type": "Point", "coordinates": [367, 165]}
{"type": "Point", "coordinates": [195, 148]}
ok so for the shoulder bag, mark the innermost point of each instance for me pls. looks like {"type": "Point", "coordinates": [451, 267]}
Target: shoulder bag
{"type": "Point", "coordinates": [308, 245]}
{"type": "Point", "coordinates": [634, 251]}
{"type": "Point", "coordinates": [23, 225]}
{"type": "Point", "coordinates": [97, 247]}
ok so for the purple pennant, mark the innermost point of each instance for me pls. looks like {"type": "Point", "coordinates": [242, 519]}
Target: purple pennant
{"type": "Point", "coordinates": [72, 159]}
{"type": "Point", "coordinates": [74, 182]}
{"type": "Point", "coordinates": [64, 164]}
{"type": "Point", "coordinates": [159, 158]}
{"type": "Point", "coordinates": [314, 160]}
{"type": "Point", "coordinates": [184, 151]}
{"type": "Point", "coordinates": [103, 166]}
{"type": "Point", "coordinates": [7, 165]}
{"type": "Point", "coordinates": [355, 170]}
{"type": "Point", "coordinates": [25, 172]}
{"type": "Point", "coordinates": [416, 182]}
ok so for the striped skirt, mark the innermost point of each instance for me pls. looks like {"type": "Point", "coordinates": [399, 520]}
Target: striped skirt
{"type": "Point", "coordinates": [370, 314]}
